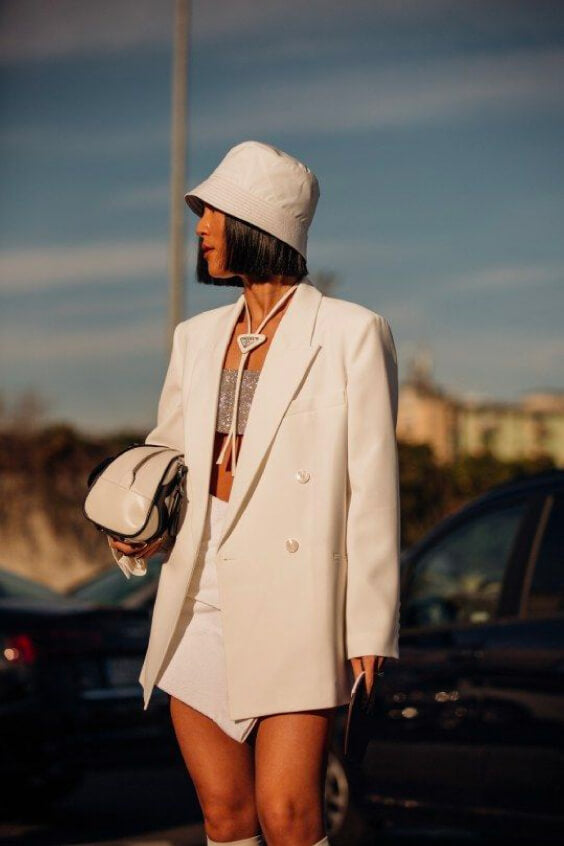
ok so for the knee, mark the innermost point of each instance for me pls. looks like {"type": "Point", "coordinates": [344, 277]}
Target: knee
{"type": "Point", "coordinates": [229, 817]}
{"type": "Point", "coordinates": [290, 819]}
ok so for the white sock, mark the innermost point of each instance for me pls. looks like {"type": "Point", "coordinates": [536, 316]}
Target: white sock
{"type": "Point", "coordinates": [254, 841]}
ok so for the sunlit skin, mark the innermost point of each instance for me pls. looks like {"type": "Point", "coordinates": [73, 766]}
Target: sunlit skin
{"type": "Point", "coordinates": [276, 780]}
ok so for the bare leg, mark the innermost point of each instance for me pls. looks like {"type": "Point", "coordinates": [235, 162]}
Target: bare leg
{"type": "Point", "coordinates": [222, 770]}
{"type": "Point", "coordinates": [291, 762]}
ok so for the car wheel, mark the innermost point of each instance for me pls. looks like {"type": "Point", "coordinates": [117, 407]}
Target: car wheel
{"type": "Point", "coordinates": [344, 822]}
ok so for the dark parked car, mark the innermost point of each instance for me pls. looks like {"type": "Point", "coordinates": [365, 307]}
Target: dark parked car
{"type": "Point", "coordinates": [468, 728]}
{"type": "Point", "coordinates": [34, 740]}
{"type": "Point", "coordinates": [112, 588]}
{"type": "Point", "coordinates": [69, 690]}
{"type": "Point", "coordinates": [469, 720]}
{"type": "Point", "coordinates": [14, 588]}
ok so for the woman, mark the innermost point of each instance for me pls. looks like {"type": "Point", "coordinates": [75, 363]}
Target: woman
{"type": "Point", "coordinates": [284, 575]}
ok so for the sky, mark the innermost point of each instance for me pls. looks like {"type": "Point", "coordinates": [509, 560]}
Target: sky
{"type": "Point", "coordinates": [435, 129]}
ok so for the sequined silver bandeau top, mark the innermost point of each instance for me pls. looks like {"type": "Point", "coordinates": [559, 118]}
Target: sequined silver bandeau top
{"type": "Point", "coordinates": [249, 379]}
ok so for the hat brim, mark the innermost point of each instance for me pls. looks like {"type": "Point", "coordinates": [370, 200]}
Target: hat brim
{"type": "Point", "coordinates": [195, 203]}
{"type": "Point", "coordinates": [230, 198]}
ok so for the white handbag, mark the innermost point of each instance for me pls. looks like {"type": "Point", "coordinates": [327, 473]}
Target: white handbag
{"type": "Point", "coordinates": [136, 495]}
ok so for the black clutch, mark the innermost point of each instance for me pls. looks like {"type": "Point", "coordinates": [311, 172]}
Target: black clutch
{"type": "Point", "coordinates": [359, 723]}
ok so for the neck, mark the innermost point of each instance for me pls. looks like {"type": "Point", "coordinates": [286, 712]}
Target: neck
{"type": "Point", "coordinates": [261, 297]}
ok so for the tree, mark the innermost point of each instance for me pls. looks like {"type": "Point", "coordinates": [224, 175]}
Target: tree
{"type": "Point", "coordinates": [26, 413]}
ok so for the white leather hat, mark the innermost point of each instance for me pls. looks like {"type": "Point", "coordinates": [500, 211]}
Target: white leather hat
{"type": "Point", "coordinates": [262, 185]}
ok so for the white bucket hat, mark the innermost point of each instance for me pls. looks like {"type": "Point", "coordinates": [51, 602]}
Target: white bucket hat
{"type": "Point", "coordinates": [262, 185]}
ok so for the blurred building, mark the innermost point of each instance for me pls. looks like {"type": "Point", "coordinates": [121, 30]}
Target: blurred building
{"type": "Point", "coordinates": [456, 425]}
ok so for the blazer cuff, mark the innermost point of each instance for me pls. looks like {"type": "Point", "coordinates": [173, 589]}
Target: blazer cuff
{"type": "Point", "coordinates": [130, 566]}
{"type": "Point", "coordinates": [364, 644]}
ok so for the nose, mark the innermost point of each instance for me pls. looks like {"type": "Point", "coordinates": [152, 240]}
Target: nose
{"type": "Point", "coordinates": [202, 226]}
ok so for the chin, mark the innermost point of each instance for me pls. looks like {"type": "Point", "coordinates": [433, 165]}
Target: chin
{"type": "Point", "coordinates": [205, 274]}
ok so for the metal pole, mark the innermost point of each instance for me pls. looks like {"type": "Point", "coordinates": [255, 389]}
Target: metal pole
{"type": "Point", "coordinates": [177, 258]}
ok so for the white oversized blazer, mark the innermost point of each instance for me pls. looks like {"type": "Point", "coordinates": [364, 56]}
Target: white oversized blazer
{"type": "Point", "coordinates": [308, 558]}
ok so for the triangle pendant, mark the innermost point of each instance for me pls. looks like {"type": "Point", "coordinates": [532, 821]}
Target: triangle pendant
{"type": "Point", "coordinates": [250, 340]}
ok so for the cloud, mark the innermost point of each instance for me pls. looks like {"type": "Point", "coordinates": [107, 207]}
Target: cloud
{"type": "Point", "coordinates": [350, 99]}
{"type": "Point", "coordinates": [501, 278]}
{"type": "Point", "coordinates": [109, 142]}
{"type": "Point", "coordinates": [343, 99]}
{"type": "Point", "coordinates": [81, 345]}
{"type": "Point", "coordinates": [86, 310]}
{"type": "Point", "coordinates": [153, 196]}
{"type": "Point", "coordinates": [35, 30]}
{"type": "Point", "coordinates": [53, 267]}
{"type": "Point", "coordinates": [39, 268]}
{"type": "Point", "coordinates": [328, 252]}
{"type": "Point", "coordinates": [500, 363]}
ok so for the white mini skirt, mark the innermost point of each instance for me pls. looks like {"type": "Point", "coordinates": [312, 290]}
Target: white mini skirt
{"type": "Point", "coordinates": [196, 672]}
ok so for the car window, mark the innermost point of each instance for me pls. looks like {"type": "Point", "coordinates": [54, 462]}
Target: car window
{"type": "Point", "coordinates": [112, 587]}
{"type": "Point", "coordinates": [459, 578]}
{"type": "Point", "coordinates": [546, 594]}
{"type": "Point", "coordinates": [13, 586]}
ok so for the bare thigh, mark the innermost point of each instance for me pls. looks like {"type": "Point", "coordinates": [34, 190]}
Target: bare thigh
{"type": "Point", "coordinates": [222, 770]}
{"type": "Point", "coordinates": [291, 752]}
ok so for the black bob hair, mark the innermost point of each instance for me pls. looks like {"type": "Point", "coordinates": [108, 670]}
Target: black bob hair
{"type": "Point", "coordinates": [252, 250]}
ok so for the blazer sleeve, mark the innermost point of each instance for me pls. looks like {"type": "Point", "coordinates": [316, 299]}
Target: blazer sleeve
{"type": "Point", "coordinates": [373, 517]}
{"type": "Point", "coordinates": [169, 429]}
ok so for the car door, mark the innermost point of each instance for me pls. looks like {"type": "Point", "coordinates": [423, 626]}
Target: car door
{"type": "Point", "coordinates": [427, 737]}
{"type": "Point", "coordinates": [522, 683]}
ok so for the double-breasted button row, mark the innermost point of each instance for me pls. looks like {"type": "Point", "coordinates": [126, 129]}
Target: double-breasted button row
{"type": "Point", "coordinates": [292, 545]}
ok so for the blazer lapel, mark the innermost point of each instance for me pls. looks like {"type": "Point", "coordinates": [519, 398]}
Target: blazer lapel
{"type": "Point", "coordinates": [287, 361]}
{"type": "Point", "coordinates": [201, 413]}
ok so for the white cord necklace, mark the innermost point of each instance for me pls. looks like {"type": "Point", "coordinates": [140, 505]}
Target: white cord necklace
{"type": "Point", "coordinates": [247, 341]}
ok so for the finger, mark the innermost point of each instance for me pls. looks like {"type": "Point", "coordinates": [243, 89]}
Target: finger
{"type": "Point", "coordinates": [152, 547]}
{"type": "Point", "coordinates": [368, 664]}
{"type": "Point", "coordinates": [127, 549]}
{"type": "Point", "coordinates": [357, 666]}
{"type": "Point", "coordinates": [146, 549]}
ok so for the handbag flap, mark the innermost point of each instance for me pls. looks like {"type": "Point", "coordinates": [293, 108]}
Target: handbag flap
{"type": "Point", "coordinates": [123, 496]}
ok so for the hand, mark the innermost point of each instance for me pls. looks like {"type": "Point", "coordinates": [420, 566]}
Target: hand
{"type": "Point", "coordinates": [371, 664]}
{"type": "Point", "coordinates": [142, 550]}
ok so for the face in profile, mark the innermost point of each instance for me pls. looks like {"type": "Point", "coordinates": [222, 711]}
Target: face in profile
{"type": "Point", "coordinates": [232, 251]}
{"type": "Point", "coordinates": [210, 229]}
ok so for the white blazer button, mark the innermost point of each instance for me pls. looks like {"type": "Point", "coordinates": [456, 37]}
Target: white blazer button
{"type": "Point", "coordinates": [292, 544]}
{"type": "Point", "coordinates": [302, 476]}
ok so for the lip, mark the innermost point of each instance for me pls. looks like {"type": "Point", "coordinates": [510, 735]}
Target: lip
{"type": "Point", "coordinates": [206, 249]}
